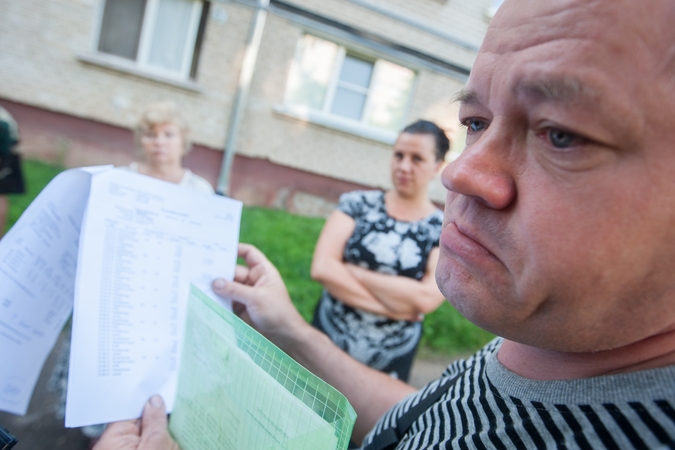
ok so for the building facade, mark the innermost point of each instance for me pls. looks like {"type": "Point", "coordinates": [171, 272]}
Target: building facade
{"type": "Point", "coordinates": [290, 102]}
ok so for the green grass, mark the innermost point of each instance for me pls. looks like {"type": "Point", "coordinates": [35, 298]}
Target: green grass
{"type": "Point", "coordinates": [447, 332]}
{"type": "Point", "coordinates": [36, 176]}
{"type": "Point", "coordinates": [288, 241]}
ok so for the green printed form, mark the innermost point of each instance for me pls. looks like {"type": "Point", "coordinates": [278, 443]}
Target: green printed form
{"type": "Point", "coordinates": [237, 390]}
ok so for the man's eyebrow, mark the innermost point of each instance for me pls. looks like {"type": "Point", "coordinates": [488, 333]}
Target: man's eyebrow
{"type": "Point", "coordinates": [565, 90]}
{"type": "Point", "coordinates": [465, 97]}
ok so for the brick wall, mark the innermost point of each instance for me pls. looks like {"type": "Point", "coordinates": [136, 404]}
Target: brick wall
{"type": "Point", "coordinates": [43, 39]}
{"type": "Point", "coordinates": [40, 67]}
{"type": "Point", "coordinates": [294, 143]}
{"type": "Point", "coordinates": [460, 18]}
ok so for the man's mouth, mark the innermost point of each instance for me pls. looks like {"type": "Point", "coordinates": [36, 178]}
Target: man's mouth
{"type": "Point", "coordinates": [463, 243]}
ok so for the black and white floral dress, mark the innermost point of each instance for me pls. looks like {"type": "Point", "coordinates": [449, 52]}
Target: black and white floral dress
{"type": "Point", "coordinates": [382, 244]}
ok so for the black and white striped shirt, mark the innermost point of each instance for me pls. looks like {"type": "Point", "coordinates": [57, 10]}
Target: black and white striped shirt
{"type": "Point", "coordinates": [488, 406]}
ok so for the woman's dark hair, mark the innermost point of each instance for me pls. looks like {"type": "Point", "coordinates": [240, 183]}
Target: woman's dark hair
{"type": "Point", "coordinates": [427, 127]}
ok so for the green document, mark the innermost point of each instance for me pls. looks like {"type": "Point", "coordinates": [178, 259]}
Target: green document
{"type": "Point", "coordinates": [237, 390]}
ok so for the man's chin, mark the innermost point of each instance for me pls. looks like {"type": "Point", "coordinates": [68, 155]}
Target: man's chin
{"type": "Point", "coordinates": [477, 309]}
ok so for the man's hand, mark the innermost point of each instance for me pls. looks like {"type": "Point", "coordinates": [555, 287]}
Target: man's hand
{"type": "Point", "coordinates": [150, 432]}
{"type": "Point", "coordinates": [259, 297]}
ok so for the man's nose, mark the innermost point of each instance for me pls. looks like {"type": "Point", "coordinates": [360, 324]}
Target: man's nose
{"type": "Point", "coordinates": [482, 171]}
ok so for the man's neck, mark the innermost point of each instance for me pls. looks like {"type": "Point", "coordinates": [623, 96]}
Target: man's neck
{"type": "Point", "coordinates": [542, 364]}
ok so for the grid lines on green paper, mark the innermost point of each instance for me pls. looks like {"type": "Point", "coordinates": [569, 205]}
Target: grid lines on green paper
{"type": "Point", "coordinates": [238, 390]}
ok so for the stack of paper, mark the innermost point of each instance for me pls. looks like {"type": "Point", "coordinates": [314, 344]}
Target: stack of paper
{"type": "Point", "coordinates": [124, 248]}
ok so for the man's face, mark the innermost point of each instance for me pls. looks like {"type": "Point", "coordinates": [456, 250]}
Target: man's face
{"type": "Point", "coordinates": [559, 227]}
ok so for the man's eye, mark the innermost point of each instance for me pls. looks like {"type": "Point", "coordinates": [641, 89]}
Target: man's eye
{"type": "Point", "coordinates": [475, 125]}
{"type": "Point", "coordinates": [562, 139]}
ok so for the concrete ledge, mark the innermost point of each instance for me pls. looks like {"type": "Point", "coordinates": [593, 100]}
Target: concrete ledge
{"type": "Point", "coordinates": [338, 123]}
{"type": "Point", "coordinates": [119, 65]}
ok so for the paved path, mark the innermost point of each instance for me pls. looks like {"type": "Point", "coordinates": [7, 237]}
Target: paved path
{"type": "Point", "coordinates": [41, 430]}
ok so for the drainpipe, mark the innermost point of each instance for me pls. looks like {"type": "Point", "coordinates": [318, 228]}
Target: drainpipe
{"type": "Point", "coordinates": [241, 97]}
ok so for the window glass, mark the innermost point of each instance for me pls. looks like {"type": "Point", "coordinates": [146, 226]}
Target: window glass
{"type": "Point", "coordinates": [158, 36]}
{"type": "Point", "coordinates": [348, 103]}
{"type": "Point", "coordinates": [351, 92]}
{"type": "Point", "coordinates": [392, 87]}
{"type": "Point", "coordinates": [121, 28]}
{"type": "Point", "coordinates": [171, 34]}
{"type": "Point", "coordinates": [328, 80]}
{"type": "Point", "coordinates": [356, 71]}
{"type": "Point", "coordinates": [311, 72]}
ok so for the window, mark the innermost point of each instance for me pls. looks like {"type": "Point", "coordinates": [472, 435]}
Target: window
{"type": "Point", "coordinates": [333, 84]}
{"type": "Point", "coordinates": [160, 36]}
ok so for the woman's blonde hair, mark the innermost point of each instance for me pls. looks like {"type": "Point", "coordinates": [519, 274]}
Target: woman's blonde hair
{"type": "Point", "coordinates": [159, 113]}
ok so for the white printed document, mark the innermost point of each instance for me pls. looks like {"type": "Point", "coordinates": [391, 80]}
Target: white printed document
{"type": "Point", "coordinates": [125, 247]}
{"type": "Point", "coordinates": [38, 259]}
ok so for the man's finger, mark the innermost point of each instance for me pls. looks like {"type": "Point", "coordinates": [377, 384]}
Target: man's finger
{"type": "Point", "coordinates": [241, 274]}
{"type": "Point", "coordinates": [125, 427]}
{"type": "Point", "coordinates": [120, 436]}
{"type": "Point", "coordinates": [251, 255]}
{"type": "Point", "coordinates": [233, 290]}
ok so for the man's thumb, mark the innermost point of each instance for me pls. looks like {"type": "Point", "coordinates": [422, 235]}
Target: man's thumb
{"type": "Point", "coordinates": [154, 422]}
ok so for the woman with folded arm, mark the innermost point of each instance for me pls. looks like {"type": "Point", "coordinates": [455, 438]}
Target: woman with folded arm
{"type": "Point", "coordinates": [376, 257]}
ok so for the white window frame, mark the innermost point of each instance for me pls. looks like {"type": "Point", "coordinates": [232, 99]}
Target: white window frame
{"type": "Point", "coordinates": [335, 82]}
{"type": "Point", "coordinates": [328, 119]}
{"type": "Point", "coordinates": [145, 42]}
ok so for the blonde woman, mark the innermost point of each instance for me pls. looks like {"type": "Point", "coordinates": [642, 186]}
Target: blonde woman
{"type": "Point", "coordinates": [163, 139]}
